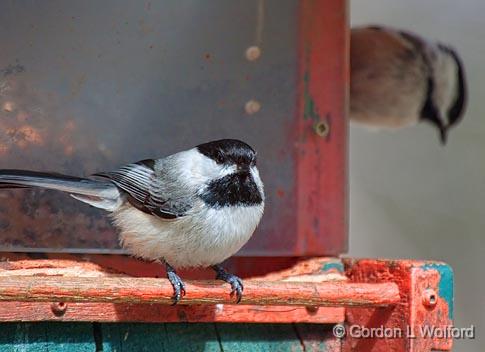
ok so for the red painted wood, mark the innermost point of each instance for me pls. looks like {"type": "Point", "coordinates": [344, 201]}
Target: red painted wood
{"type": "Point", "coordinates": [123, 289]}
{"type": "Point", "coordinates": [242, 266]}
{"type": "Point", "coordinates": [156, 313]}
{"type": "Point", "coordinates": [311, 282]}
{"type": "Point", "coordinates": [410, 315]}
{"type": "Point", "coordinates": [321, 162]}
{"type": "Point", "coordinates": [108, 265]}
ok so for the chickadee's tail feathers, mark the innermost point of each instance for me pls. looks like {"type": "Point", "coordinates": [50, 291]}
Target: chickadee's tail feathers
{"type": "Point", "coordinates": [100, 194]}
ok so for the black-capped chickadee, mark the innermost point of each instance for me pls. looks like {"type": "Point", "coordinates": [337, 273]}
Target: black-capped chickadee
{"type": "Point", "coordinates": [399, 78]}
{"type": "Point", "coordinates": [194, 208]}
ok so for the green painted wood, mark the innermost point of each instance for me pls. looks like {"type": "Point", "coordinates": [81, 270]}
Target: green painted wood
{"type": "Point", "coordinates": [259, 337]}
{"type": "Point", "coordinates": [46, 337]}
{"type": "Point", "coordinates": [180, 337]}
{"type": "Point", "coordinates": [173, 337]}
{"type": "Point", "coordinates": [318, 337]}
{"type": "Point", "coordinates": [72, 337]}
{"type": "Point", "coordinates": [134, 337]}
{"type": "Point", "coordinates": [22, 337]}
{"type": "Point", "coordinates": [185, 337]}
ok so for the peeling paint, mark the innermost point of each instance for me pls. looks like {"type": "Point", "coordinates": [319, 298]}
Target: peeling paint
{"type": "Point", "coordinates": [336, 265]}
{"type": "Point", "coordinates": [309, 111]}
{"type": "Point", "coordinates": [445, 286]}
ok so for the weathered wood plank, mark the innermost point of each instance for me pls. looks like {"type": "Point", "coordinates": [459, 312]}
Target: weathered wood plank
{"type": "Point", "coordinates": [187, 337]}
{"type": "Point", "coordinates": [151, 290]}
{"type": "Point", "coordinates": [159, 337]}
{"type": "Point", "coordinates": [156, 313]}
{"type": "Point", "coordinates": [318, 337]}
{"type": "Point", "coordinates": [46, 337]}
{"type": "Point", "coordinates": [22, 337]}
{"type": "Point", "coordinates": [77, 337]}
{"type": "Point", "coordinates": [258, 337]}
{"type": "Point", "coordinates": [183, 337]}
{"type": "Point", "coordinates": [316, 270]}
{"type": "Point", "coordinates": [134, 337]}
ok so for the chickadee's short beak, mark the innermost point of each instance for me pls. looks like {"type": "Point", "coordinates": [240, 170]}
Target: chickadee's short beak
{"type": "Point", "coordinates": [243, 169]}
{"type": "Point", "coordinates": [442, 128]}
{"type": "Point", "coordinates": [443, 135]}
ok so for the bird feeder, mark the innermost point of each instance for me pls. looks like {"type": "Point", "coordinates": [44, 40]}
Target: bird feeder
{"type": "Point", "coordinates": [88, 86]}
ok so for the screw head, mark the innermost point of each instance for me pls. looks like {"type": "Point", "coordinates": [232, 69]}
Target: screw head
{"type": "Point", "coordinates": [430, 298]}
{"type": "Point", "coordinates": [252, 107]}
{"type": "Point", "coordinates": [321, 128]}
{"type": "Point", "coordinates": [9, 106]}
{"type": "Point", "coordinates": [312, 310]}
{"type": "Point", "coordinates": [253, 53]}
{"type": "Point", "coordinates": [59, 308]}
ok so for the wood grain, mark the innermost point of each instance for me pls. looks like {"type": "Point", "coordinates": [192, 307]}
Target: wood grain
{"type": "Point", "coordinates": [151, 290]}
{"type": "Point", "coordinates": [157, 313]}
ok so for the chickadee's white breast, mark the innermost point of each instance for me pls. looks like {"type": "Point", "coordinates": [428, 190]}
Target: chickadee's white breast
{"type": "Point", "coordinates": [206, 237]}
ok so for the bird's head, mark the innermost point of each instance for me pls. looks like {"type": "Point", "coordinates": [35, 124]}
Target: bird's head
{"type": "Point", "coordinates": [449, 93]}
{"type": "Point", "coordinates": [237, 181]}
{"type": "Point", "coordinates": [230, 154]}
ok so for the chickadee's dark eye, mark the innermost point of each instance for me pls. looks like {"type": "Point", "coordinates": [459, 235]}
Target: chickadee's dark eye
{"type": "Point", "coordinates": [220, 158]}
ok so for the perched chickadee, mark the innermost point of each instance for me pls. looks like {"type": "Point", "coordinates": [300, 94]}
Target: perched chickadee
{"type": "Point", "coordinates": [194, 208]}
{"type": "Point", "coordinates": [399, 79]}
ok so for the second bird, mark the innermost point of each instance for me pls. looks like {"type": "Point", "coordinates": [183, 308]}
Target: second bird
{"type": "Point", "coordinates": [399, 79]}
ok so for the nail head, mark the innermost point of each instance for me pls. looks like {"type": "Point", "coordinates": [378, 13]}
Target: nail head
{"type": "Point", "coordinates": [253, 53]}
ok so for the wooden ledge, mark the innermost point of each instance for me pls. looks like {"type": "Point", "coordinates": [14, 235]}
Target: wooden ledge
{"type": "Point", "coordinates": [314, 290]}
{"type": "Point", "coordinates": [160, 291]}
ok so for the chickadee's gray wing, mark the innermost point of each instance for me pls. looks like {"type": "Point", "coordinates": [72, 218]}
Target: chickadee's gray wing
{"type": "Point", "coordinates": [146, 191]}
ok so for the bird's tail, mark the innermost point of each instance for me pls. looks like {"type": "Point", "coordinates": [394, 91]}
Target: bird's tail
{"type": "Point", "coordinates": [100, 194]}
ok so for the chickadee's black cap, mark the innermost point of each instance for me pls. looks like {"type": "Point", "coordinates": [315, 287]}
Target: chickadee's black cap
{"type": "Point", "coordinates": [229, 151]}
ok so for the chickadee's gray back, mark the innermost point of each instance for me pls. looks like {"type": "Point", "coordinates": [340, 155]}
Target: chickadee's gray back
{"type": "Point", "coordinates": [218, 174]}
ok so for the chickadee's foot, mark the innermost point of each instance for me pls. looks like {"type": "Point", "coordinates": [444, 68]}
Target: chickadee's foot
{"type": "Point", "coordinates": [177, 284]}
{"type": "Point", "coordinates": [235, 282]}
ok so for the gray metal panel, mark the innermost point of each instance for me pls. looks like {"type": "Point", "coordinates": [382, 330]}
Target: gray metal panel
{"type": "Point", "coordinates": [86, 86]}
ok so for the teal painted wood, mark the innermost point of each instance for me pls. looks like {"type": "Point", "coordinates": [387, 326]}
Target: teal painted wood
{"type": "Point", "coordinates": [185, 337]}
{"type": "Point", "coordinates": [446, 284]}
{"type": "Point", "coordinates": [170, 337]}
{"type": "Point", "coordinates": [318, 338]}
{"type": "Point", "coordinates": [46, 337]}
{"type": "Point", "coordinates": [259, 337]}
{"type": "Point", "coordinates": [141, 337]}
{"type": "Point", "coordinates": [134, 337]}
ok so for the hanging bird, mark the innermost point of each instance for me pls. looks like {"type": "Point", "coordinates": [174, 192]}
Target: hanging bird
{"type": "Point", "coordinates": [194, 208]}
{"type": "Point", "coordinates": [399, 79]}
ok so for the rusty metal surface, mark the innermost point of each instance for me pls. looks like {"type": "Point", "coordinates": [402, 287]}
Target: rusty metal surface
{"type": "Point", "coordinates": [88, 86]}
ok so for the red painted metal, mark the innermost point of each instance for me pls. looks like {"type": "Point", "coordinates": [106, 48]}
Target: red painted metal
{"type": "Point", "coordinates": [321, 158]}
{"type": "Point", "coordinates": [300, 80]}
{"type": "Point", "coordinates": [417, 281]}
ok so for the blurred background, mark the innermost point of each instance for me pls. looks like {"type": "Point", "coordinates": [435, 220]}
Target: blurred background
{"type": "Point", "coordinates": [412, 197]}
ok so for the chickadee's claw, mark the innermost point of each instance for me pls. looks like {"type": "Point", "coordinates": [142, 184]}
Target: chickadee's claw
{"type": "Point", "coordinates": [177, 284]}
{"type": "Point", "coordinates": [236, 283]}
{"type": "Point", "coordinates": [237, 288]}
